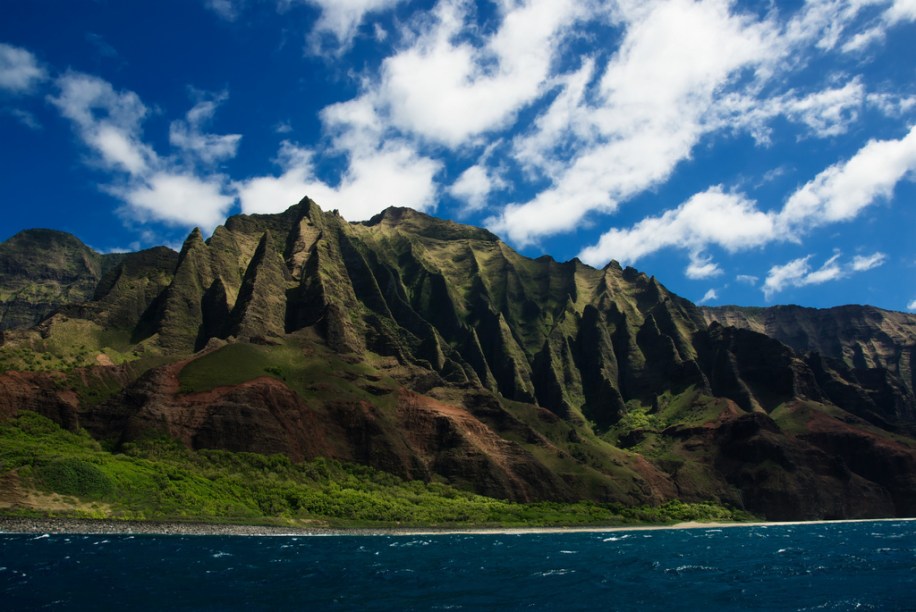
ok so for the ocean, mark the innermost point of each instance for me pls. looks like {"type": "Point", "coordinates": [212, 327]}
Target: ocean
{"type": "Point", "coordinates": [832, 566]}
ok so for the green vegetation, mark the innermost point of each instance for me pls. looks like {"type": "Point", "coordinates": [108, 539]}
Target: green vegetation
{"type": "Point", "coordinates": [159, 479]}
{"type": "Point", "coordinates": [70, 343]}
{"type": "Point", "coordinates": [318, 374]}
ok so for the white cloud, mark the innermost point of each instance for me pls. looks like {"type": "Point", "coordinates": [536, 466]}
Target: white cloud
{"type": "Point", "coordinates": [561, 125]}
{"type": "Point", "coordinates": [227, 9]}
{"type": "Point", "coordinates": [394, 176]}
{"type": "Point", "coordinates": [208, 148]}
{"type": "Point", "coordinates": [24, 117]}
{"type": "Point", "coordinates": [683, 70]}
{"type": "Point", "coordinates": [798, 272]}
{"type": "Point", "coordinates": [825, 22]}
{"type": "Point", "coordinates": [825, 112]}
{"type": "Point", "coordinates": [153, 188]}
{"type": "Point", "coordinates": [108, 121]}
{"type": "Point", "coordinates": [734, 223]}
{"type": "Point", "coordinates": [786, 275]}
{"type": "Point", "coordinates": [900, 11]}
{"type": "Point", "coordinates": [449, 92]}
{"type": "Point", "coordinates": [342, 18]}
{"type": "Point", "coordinates": [473, 186]}
{"type": "Point", "coordinates": [911, 305]}
{"type": "Point", "coordinates": [702, 266]}
{"type": "Point", "coordinates": [713, 217]}
{"type": "Point", "coordinates": [178, 199]}
{"type": "Point", "coordinates": [119, 149]}
{"type": "Point", "coordinates": [827, 272]}
{"type": "Point", "coordinates": [843, 190]}
{"type": "Point", "coordinates": [270, 194]}
{"type": "Point", "coordinates": [891, 104]}
{"type": "Point", "coordinates": [828, 112]}
{"type": "Point", "coordinates": [649, 113]}
{"type": "Point", "coordinates": [747, 279]}
{"type": "Point", "coordinates": [20, 71]}
{"type": "Point", "coordinates": [441, 87]}
{"type": "Point", "coordinates": [709, 296]}
{"type": "Point", "coordinates": [860, 263]}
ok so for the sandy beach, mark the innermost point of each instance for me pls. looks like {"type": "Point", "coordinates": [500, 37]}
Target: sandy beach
{"type": "Point", "coordinates": [110, 527]}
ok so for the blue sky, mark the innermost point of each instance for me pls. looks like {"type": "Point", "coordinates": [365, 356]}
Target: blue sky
{"type": "Point", "coordinates": [743, 153]}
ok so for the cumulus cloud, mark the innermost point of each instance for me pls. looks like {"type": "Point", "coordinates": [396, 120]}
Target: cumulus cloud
{"type": "Point", "coordinates": [799, 273]}
{"type": "Point", "coordinates": [187, 135]}
{"type": "Point", "coordinates": [713, 217]}
{"type": "Point", "coordinates": [709, 296]}
{"type": "Point", "coordinates": [702, 266]}
{"type": "Point", "coordinates": [647, 114]}
{"type": "Point", "coordinates": [861, 263]}
{"type": "Point", "coordinates": [825, 112]}
{"type": "Point", "coordinates": [447, 90]}
{"type": "Point", "coordinates": [473, 186]}
{"type": "Point", "coordinates": [734, 223]}
{"type": "Point", "coordinates": [394, 176]}
{"type": "Point", "coordinates": [899, 11]}
{"type": "Point", "coordinates": [911, 305]}
{"type": "Point", "coordinates": [20, 70]}
{"type": "Point", "coordinates": [341, 18]}
{"type": "Point", "coordinates": [153, 188]}
{"type": "Point", "coordinates": [178, 199]}
{"type": "Point", "coordinates": [747, 279]}
{"type": "Point", "coordinates": [108, 121]}
{"type": "Point", "coordinates": [227, 9]}
{"type": "Point", "coordinates": [683, 70]}
{"type": "Point", "coordinates": [843, 190]}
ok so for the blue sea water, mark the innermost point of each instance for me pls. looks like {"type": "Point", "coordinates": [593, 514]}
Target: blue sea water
{"type": "Point", "coordinates": [837, 566]}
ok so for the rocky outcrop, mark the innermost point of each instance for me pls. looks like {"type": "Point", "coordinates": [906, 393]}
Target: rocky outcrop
{"type": "Point", "coordinates": [862, 337]}
{"type": "Point", "coordinates": [43, 269]}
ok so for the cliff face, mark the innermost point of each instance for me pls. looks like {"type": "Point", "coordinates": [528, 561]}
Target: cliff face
{"type": "Point", "coordinates": [861, 337]}
{"type": "Point", "coordinates": [41, 270]}
{"type": "Point", "coordinates": [431, 349]}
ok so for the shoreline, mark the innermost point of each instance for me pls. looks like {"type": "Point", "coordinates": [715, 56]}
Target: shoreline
{"type": "Point", "coordinates": [51, 526]}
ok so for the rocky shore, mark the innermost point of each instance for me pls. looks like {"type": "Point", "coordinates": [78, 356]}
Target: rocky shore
{"type": "Point", "coordinates": [109, 527]}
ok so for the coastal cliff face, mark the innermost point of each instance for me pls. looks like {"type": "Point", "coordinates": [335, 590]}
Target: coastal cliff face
{"type": "Point", "coordinates": [862, 337]}
{"type": "Point", "coordinates": [434, 351]}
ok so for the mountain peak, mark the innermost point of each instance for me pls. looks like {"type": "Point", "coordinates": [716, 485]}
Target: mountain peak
{"type": "Point", "coordinates": [422, 224]}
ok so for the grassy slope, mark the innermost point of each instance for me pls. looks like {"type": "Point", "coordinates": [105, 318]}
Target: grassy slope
{"type": "Point", "coordinates": [160, 480]}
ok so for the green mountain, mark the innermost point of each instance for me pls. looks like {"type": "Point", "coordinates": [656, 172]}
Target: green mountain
{"type": "Point", "coordinates": [432, 351]}
{"type": "Point", "coordinates": [43, 269]}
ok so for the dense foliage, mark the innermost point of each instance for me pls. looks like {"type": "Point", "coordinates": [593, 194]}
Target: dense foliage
{"type": "Point", "coordinates": [159, 479]}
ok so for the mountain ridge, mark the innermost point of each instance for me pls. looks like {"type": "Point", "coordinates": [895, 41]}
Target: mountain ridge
{"type": "Point", "coordinates": [432, 350]}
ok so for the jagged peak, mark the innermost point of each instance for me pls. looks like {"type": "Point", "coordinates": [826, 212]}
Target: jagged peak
{"type": "Point", "coordinates": [416, 222]}
{"type": "Point", "coordinates": [613, 265]}
{"type": "Point", "coordinates": [266, 237]}
{"type": "Point", "coordinates": [194, 240]}
{"type": "Point", "coordinates": [45, 235]}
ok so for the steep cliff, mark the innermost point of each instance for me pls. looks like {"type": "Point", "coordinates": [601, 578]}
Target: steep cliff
{"type": "Point", "coordinates": [861, 337]}
{"type": "Point", "coordinates": [42, 269]}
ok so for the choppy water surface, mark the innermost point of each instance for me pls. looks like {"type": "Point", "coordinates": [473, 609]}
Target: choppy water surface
{"type": "Point", "coordinates": [840, 566]}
